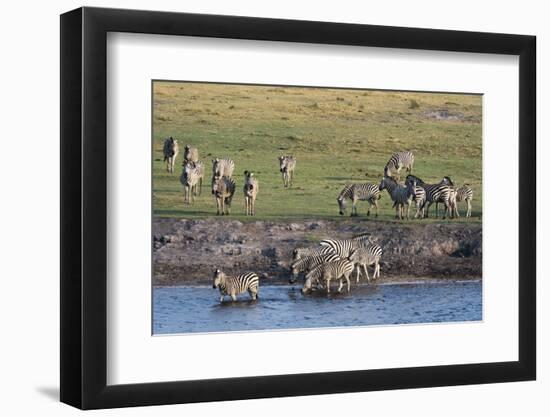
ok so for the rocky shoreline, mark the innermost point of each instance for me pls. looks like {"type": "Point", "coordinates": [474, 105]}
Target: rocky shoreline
{"type": "Point", "coordinates": [187, 251]}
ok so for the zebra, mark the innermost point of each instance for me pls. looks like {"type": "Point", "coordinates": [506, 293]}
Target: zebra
{"type": "Point", "coordinates": [344, 247]}
{"type": "Point", "coordinates": [300, 253]}
{"type": "Point", "coordinates": [463, 193]}
{"type": "Point", "coordinates": [191, 178]}
{"type": "Point", "coordinates": [235, 285]}
{"type": "Point", "coordinates": [366, 256]}
{"type": "Point", "coordinates": [287, 164]}
{"type": "Point", "coordinates": [419, 198]}
{"type": "Point", "coordinates": [250, 189]}
{"type": "Point", "coordinates": [190, 153]}
{"type": "Point", "coordinates": [223, 190]}
{"type": "Point", "coordinates": [222, 167]}
{"type": "Point", "coordinates": [170, 151]}
{"type": "Point", "coordinates": [435, 193]}
{"type": "Point", "coordinates": [324, 273]}
{"type": "Point", "coordinates": [356, 192]}
{"type": "Point", "coordinates": [309, 263]}
{"type": "Point", "coordinates": [401, 195]}
{"type": "Point", "coordinates": [397, 161]}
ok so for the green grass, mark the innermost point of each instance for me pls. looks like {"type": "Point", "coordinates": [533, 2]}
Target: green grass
{"type": "Point", "coordinates": [337, 136]}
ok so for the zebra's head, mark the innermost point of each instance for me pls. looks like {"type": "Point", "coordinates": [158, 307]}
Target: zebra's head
{"type": "Point", "coordinates": [410, 178]}
{"type": "Point", "coordinates": [216, 183]}
{"type": "Point", "coordinates": [307, 285]}
{"type": "Point", "coordinates": [384, 183]}
{"type": "Point", "coordinates": [447, 181]}
{"type": "Point", "coordinates": [215, 163]}
{"type": "Point", "coordinates": [341, 205]}
{"type": "Point", "coordinates": [294, 270]}
{"type": "Point", "coordinates": [219, 277]}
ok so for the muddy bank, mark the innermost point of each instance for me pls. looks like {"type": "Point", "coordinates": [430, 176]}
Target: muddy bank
{"type": "Point", "coordinates": [187, 251]}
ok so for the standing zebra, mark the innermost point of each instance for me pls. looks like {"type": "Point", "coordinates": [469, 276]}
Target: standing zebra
{"type": "Point", "coordinates": [419, 198]}
{"type": "Point", "coordinates": [356, 192]}
{"type": "Point", "coordinates": [191, 178]}
{"type": "Point", "coordinates": [190, 153]}
{"type": "Point", "coordinates": [401, 195]}
{"type": "Point", "coordinates": [250, 189]}
{"type": "Point", "coordinates": [463, 193]}
{"type": "Point", "coordinates": [223, 190]}
{"type": "Point", "coordinates": [287, 164]}
{"type": "Point", "coordinates": [397, 161]}
{"type": "Point", "coordinates": [435, 193]}
{"type": "Point", "coordinates": [366, 256]}
{"type": "Point", "coordinates": [324, 273]}
{"type": "Point", "coordinates": [222, 167]}
{"type": "Point", "coordinates": [309, 263]}
{"type": "Point", "coordinates": [235, 285]}
{"type": "Point", "coordinates": [170, 151]}
{"type": "Point", "coordinates": [344, 247]}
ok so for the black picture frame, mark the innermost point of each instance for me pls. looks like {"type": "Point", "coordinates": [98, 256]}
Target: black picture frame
{"type": "Point", "coordinates": [84, 207]}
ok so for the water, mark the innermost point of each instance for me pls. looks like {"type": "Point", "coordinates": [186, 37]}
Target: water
{"type": "Point", "coordinates": [185, 309]}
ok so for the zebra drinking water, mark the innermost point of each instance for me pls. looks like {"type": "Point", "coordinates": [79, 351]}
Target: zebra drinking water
{"type": "Point", "coordinates": [223, 189]}
{"type": "Point", "coordinates": [435, 193]}
{"type": "Point", "coordinates": [250, 189]}
{"type": "Point", "coordinates": [324, 273]}
{"type": "Point", "coordinates": [287, 164]}
{"type": "Point", "coordinates": [397, 161]}
{"type": "Point", "coordinates": [309, 263]}
{"type": "Point", "coordinates": [191, 178]}
{"type": "Point", "coordinates": [170, 150]}
{"type": "Point", "coordinates": [401, 195]}
{"type": "Point", "coordinates": [222, 167]}
{"type": "Point", "coordinates": [366, 256]}
{"type": "Point", "coordinates": [358, 192]}
{"type": "Point", "coordinates": [235, 285]}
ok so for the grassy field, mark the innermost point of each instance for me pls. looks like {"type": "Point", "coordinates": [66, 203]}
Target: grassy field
{"type": "Point", "coordinates": [337, 136]}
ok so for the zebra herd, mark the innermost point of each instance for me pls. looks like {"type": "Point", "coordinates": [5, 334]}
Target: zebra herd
{"type": "Point", "coordinates": [331, 260]}
{"type": "Point", "coordinates": [414, 191]}
{"type": "Point", "coordinates": [223, 184]}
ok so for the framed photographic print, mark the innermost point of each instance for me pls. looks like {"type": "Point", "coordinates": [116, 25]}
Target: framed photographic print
{"type": "Point", "coordinates": [258, 207]}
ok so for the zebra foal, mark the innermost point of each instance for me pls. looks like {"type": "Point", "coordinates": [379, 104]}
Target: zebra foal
{"type": "Point", "coordinates": [250, 189]}
{"type": "Point", "coordinates": [324, 273]}
{"type": "Point", "coordinates": [190, 154]}
{"type": "Point", "coordinates": [222, 167]}
{"type": "Point", "coordinates": [366, 256]}
{"type": "Point", "coordinates": [287, 165]}
{"type": "Point", "coordinates": [170, 150]}
{"type": "Point", "coordinates": [458, 194]}
{"type": "Point", "coordinates": [358, 192]}
{"type": "Point", "coordinates": [223, 189]}
{"type": "Point", "coordinates": [235, 285]}
{"type": "Point", "coordinates": [191, 178]}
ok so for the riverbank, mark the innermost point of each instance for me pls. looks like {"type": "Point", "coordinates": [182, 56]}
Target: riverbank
{"type": "Point", "coordinates": [187, 251]}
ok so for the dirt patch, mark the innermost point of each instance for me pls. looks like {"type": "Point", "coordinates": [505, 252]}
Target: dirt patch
{"type": "Point", "coordinates": [186, 251]}
{"type": "Point", "coordinates": [443, 114]}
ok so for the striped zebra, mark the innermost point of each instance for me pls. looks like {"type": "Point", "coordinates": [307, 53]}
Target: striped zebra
{"type": "Point", "coordinates": [397, 161]}
{"type": "Point", "coordinates": [324, 273]}
{"type": "Point", "coordinates": [344, 247]}
{"type": "Point", "coordinates": [300, 253]}
{"type": "Point", "coordinates": [190, 153]}
{"type": "Point", "coordinates": [170, 150]}
{"type": "Point", "coordinates": [359, 192]}
{"type": "Point", "coordinates": [191, 178]}
{"type": "Point", "coordinates": [222, 167]}
{"type": "Point", "coordinates": [366, 256]}
{"type": "Point", "coordinates": [463, 193]}
{"type": "Point", "coordinates": [435, 193]}
{"type": "Point", "coordinates": [223, 190]}
{"type": "Point", "coordinates": [250, 189]}
{"type": "Point", "coordinates": [419, 198]}
{"type": "Point", "coordinates": [235, 285]}
{"type": "Point", "coordinates": [287, 164]}
{"type": "Point", "coordinates": [308, 263]}
{"type": "Point", "coordinates": [401, 195]}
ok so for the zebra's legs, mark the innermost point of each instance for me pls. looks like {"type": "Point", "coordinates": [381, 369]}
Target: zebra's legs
{"type": "Point", "coordinates": [376, 270]}
{"type": "Point", "coordinates": [358, 273]}
{"type": "Point", "coordinates": [341, 281]}
{"type": "Point", "coordinates": [366, 272]}
{"type": "Point", "coordinates": [346, 276]}
{"type": "Point", "coordinates": [221, 299]}
{"type": "Point", "coordinates": [354, 208]}
{"type": "Point", "coordinates": [469, 210]}
{"type": "Point", "coordinates": [253, 294]}
{"type": "Point", "coordinates": [376, 205]}
{"type": "Point", "coordinates": [234, 297]}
